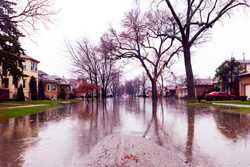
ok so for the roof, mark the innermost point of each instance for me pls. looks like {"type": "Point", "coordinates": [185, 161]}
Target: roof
{"type": "Point", "coordinates": [29, 58]}
{"type": "Point", "coordinates": [199, 82]}
{"type": "Point", "coordinates": [244, 61]}
{"type": "Point", "coordinates": [246, 74]}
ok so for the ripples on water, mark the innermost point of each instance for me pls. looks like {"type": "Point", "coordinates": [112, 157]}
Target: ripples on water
{"type": "Point", "coordinates": [60, 136]}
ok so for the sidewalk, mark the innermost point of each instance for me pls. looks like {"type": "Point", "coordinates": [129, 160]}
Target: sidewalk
{"type": "Point", "coordinates": [232, 105]}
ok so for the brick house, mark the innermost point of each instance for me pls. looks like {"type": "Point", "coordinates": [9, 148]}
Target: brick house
{"type": "Point", "coordinates": [30, 69]}
{"type": "Point", "coordinates": [238, 89]}
{"type": "Point", "coordinates": [53, 85]}
{"type": "Point", "coordinates": [244, 83]}
{"type": "Point", "coordinates": [49, 84]}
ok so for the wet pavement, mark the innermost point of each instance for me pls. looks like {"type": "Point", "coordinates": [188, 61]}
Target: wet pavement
{"type": "Point", "coordinates": [61, 137]}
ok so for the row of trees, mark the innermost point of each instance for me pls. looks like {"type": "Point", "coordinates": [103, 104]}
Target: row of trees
{"type": "Point", "coordinates": [93, 63]}
{"type": "Point", "coordinates": [156, 37]}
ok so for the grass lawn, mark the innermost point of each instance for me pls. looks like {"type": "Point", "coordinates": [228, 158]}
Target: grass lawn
{"type": "Point", "coordinates": [10, 109]}
{"type": "Point", "coordinates": [204, 103]}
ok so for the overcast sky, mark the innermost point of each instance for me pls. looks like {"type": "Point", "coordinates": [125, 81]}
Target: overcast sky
{"type": "Point", "coordinates": [91, 18]}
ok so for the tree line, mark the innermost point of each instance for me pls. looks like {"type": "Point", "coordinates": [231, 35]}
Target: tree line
{"type": "Point", "coordinates": [156, 37]}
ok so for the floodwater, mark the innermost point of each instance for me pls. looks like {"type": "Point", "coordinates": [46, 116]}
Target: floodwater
{"type": "Point", "coordinates": [60, 137]}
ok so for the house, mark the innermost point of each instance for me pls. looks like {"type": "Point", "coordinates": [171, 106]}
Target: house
{"type": "Point", "coordinates": [50, 86]}
{"type": "Point", "coordinates": [244, 79]}
{"type": "Point", "coordinates": [30, 69]}
{"type": "Point", "coordinates": [81, 88]}
{"type": "Point", "coordinates": [181, 91]}
{"type": "Point", "coordinates": [63, 85]}
{"type": "Point", "coordinates": [202, 86]}
{"type": "Point", "coordinates": [170, 91]}
{"type": "Point", "coordinates": [53, 85]}
{"type": "Point", "coordinates": [235, 88]}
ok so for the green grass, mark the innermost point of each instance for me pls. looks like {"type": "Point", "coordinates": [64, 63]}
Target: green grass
{"type": "Point", "coordinates": [16, 112]}
{"type": "Point", "coordinates": [203, 103]}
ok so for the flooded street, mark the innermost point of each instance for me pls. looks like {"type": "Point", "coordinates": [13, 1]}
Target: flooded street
{"type": "Point", "coordinates": [60, 137]}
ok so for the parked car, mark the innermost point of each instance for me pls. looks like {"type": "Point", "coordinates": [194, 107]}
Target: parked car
{"type": "Point", "coordinates": [219, 96]}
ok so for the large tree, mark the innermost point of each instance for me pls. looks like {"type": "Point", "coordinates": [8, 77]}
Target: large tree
{"type": "Point", "coordinates": [16, 17]}
{"type": "Point", "coordinates": [141, 40]}
{"type": "Point", "coordinates": [33, 88]}
{"type": "Point", "coordinates": [193, 19]}
{"type": "Point", "coordinates": [228, 74]}
{"type": "Point", "coordinates": [10, 48]}
{"type": "Point", "coordinates": [107, 66]}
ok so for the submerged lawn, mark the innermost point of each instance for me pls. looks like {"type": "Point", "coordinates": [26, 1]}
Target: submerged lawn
{"type": "Point", "coordinates": [17, 108]}
{"type": "Point", "coordinates": [237, 109]}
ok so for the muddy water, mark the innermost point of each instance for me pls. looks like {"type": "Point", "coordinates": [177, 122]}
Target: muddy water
{"type": "Point", "coordinates": [59, 137]}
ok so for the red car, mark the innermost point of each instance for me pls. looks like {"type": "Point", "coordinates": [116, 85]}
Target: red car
{"type": "Point", "coordinates": [219, 96]}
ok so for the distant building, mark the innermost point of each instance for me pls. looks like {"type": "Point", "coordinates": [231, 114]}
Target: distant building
{"type": "Point", "coordinates": [53, 85]}
{"type": "Point", "coordinates": [244, 83]}
{"type": "Point", "coordinates": [170, 91]}
{"type": "Point", "coordinates": [202, 86]}
{"type": "Point", "coordinates": [50, 85]}
{"type": "Point", "coordinates": [81, 88]}
{"type": "Point", "coordinates": [240, 88]}
{"type": "Point", "coordinates": [30, 69]}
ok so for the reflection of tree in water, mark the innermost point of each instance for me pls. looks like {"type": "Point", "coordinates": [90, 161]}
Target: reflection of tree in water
{"type": "Point", "coordinates": [190, 135]}
{"type": "Point", "coordinates": [156, 125]}
{"type": "Point", "coordinates": [99, 119]}
{"type": "Point", "coordinates": [12, 135]}
{"type": "Point", "coordinates": [232, 126]}
{"type": "Point", "coordinates": [17, 134]}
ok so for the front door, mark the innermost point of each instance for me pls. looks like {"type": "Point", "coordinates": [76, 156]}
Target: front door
{"type": "Point", "coordinates": [248, 91]}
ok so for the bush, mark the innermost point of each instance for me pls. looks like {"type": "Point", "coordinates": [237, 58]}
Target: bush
{"type": "Point", "coordinates": [41, 94]}
{"type": "Point", "coordinates": [20, 94]}
{"type": "Point", "coordinates": [33, 88]}
{"type": "Point", "coordinates": [62, 94]}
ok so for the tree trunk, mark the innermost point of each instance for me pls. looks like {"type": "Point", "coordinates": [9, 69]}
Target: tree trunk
{"type": "Point", "coordinates": [97, 89]}
{"type": "Point", "coordinates": [190, 135]}
{"type": "Point", "coordinates": [189, 73]}
{"type": "Point", "coordinates": [154, 90]}
{"type": "Point", "coordinates": [104, 93]}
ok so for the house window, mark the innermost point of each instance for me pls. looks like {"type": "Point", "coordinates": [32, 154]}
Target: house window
{"type": "Point", "coordinates": [51, 87]}
{"type": "Point", "coordinates": [33, 66]}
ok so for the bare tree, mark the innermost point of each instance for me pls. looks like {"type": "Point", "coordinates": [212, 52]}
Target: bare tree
{"type": "Point", "coordinates": [143, 84]}
{"type": "Point", "coordinates": [32, 12]}
{"type": "Point", "coordinates": [86, 61]}
{"type": "Point", "coordinates": [107, 66]}
{"type": "Point", "coordinates": [141, 40]}
{"type": "Point", "coordinates": [115, 86]}
{"type": "Point", "coordinates": [132, 87]}
{"type": "Point", "coordinates": [193, 19]}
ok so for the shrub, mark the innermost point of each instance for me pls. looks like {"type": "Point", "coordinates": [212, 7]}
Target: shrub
{"type": "Point", "coordinates": [33, 88]}
{"type": "Point", "coordinates": [20, 94]}
{"type": "Point", "coordinates": [41, 94]}
{"type": "Point", "coordinates": [62, 94]}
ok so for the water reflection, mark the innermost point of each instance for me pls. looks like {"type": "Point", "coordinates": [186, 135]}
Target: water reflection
{"type": "Point", "coordinates": [60, 136]}
{"type": "Point", "coordinates": [233, 126]}
{"type": "Point", "coordinates": [190, 134]}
